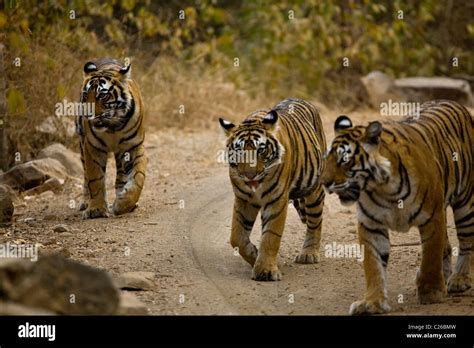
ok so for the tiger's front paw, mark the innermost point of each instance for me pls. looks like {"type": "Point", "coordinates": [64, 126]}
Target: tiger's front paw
{"type": "Point", "coordinates": [307, 257]}
{"type": "Point", "coordinates": [367, 307]}
{"type": "Point", "coordinates": [266, 272]}
{"type": "Point", "coordinates": [94, 213]}
{"type": "Point", "coordinates": [459, 283]}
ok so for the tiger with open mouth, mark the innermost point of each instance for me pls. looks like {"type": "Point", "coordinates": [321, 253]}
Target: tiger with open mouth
{"type": "Point", "coordinates": [117, 125]}
{"type": "Point", "coordinates": [289, 143]}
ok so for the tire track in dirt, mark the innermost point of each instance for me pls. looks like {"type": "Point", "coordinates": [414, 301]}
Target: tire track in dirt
{"type": "Point", "coordinates": [327, 288]}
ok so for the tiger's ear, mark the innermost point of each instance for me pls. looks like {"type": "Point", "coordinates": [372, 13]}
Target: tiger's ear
{"type": "Point", "coordinates": [227, 126]}
{"type": "Point", "coordinates": [342, 122]}
{"type": "Point", "coordinates": [89, 67]}
{"type": "Point", "coordinates": [126, 71]}
{"type": "Point", "coordinates": [372, 132]}
{"type": "Point", "coordinates": [270, 120]}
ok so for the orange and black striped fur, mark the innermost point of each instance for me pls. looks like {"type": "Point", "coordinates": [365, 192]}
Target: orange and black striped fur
{"type": "Point", "coordinates": [289, 144]}
{"type": "Point", "coordinates": [404, 174]}
{"type": "Point", "coordinates": [117, 126]}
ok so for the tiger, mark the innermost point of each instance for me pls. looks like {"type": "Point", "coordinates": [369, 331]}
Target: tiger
{"type": "Point", "coordinates": [401, 174]}
{"type": "Point", "coordinates": [117, 125]}
{"type": "Point", "coordinates": [288, 143]}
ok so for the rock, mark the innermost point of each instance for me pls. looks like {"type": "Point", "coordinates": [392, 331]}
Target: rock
{"type": "Point", "coordinates": [29, 220]}
{"type": "Point", "coordinates": [381, 88]}
{"type": "Point", "coordinates": [58, 124]}
{"type": "Point", "coordinates": [136, 281]}
{"type": "Point", "coordinates": [131, 305]}
{"type": "Point", "coordinates": [60, 228]}
{"type": "Point", "coordinates": [11, 308]}
{"type": "Point", "coordinates": [52, 185]}
{"type": "Point", "coordinates": [6, 205]}
{"type": "Point", "coordinates": [13, 194]}
{"type": "Point", "coordinates": [69, 159]}
{"type": "Point", "coordinates": [46, 196]}
{"type": "Point", "coordinates": [60, 285]}
{"type": "Point", "coordinates": [50, 217]}
{"type": "Point", "coordinates": [421, 89]}
{"type": "Point", "coordinates": [34, 173]}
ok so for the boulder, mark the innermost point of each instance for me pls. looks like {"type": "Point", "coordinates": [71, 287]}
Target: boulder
{"type": "Point", "coordinates": [34, 173]}
{"type": "Point", "coordinates": [52, 184]}
{"type": "Point", "coordinates": [69, 159]}
{"type": "Point", "coordinates": [59, 285]}
{"type": "Point", "coordinates": [381, 88]}
{"type": "Point", "coordinates": [420, 89]}
{"type": "Point", "coordinates": [6, 205]}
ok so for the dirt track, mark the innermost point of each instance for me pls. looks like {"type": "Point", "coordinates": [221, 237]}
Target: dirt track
{"type": "Point", "coordinates": [181, 232]}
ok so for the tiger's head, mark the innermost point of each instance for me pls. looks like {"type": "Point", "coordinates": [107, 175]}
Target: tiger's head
{"type": "Point", "coordinates": [354, 161]}
{"type": "Point", "coordinates": [253, 148]}
{"type": "Point", "coordinates": [106, 85]}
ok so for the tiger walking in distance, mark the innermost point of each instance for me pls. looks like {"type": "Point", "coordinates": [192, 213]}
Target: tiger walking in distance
{"type": "Point", "coordinates": [289, 144]}
{"type": "Point", "coordinates": [116, 126]}
{"type": "Point", "coordinates": [404, 174]}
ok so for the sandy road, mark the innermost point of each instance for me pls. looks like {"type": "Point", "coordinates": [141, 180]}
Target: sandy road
{"type": "Point", "coordinates": [181, 232]}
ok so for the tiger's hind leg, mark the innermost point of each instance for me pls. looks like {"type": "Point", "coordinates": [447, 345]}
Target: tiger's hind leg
{"type": "Point", "coordinates": [447, 259]}
{"type": "Point", "coordinates": [464, 218]}
{"type": "Point", "coordinates": [313, 208]}
{"type": "Point", "coordinates": [299, 205]}
{"type": "Point", "coordinates": [95, 163]}
{"type": "Point", "coordinates": [130, 179]}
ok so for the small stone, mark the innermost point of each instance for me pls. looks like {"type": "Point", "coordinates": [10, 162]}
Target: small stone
{"type": "Point", "coordinates": [50, 217]}
{"type": "Point", "coordinates": [60, 228]}
{"type": "Point", "coordinates": [29, 220]}
{"type": "Point", "coordinates": [46, 196]}
{"type": "Point", "coordinates": [136, 281]}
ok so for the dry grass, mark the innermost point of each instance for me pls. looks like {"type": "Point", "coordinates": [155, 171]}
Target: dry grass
{"type": "Point", "coordinates": [180, 95]}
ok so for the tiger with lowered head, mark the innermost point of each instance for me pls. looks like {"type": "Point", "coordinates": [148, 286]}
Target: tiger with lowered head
{"type": "Point", "coordinates": [289, 144]}
{"type": "Point", "coordinates": [116, 126]}
{"type": "Point", "coordinates": [404, 174]}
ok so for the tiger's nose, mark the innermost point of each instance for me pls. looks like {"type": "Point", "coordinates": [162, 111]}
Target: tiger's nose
{"type": "Point", "coordinates": [249, 175]}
